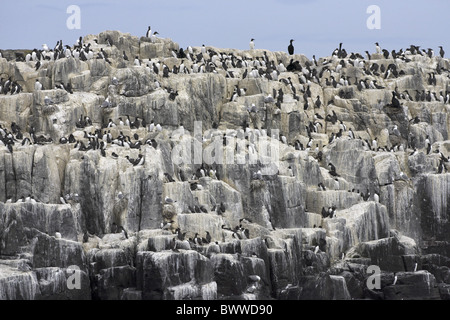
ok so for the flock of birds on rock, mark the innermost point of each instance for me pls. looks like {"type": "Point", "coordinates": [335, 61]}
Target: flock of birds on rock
{"type": "Point", "coordinates": [327, 72]}
{"type": "Point", "coordinates": [239, 232]}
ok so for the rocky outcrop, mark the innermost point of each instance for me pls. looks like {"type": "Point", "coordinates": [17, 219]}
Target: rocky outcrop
{"type": "Point", "coordinates": [176, 176]}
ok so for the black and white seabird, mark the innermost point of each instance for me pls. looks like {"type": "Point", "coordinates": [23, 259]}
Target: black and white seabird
{"type": "Point", "coordinates": [197, 240]}
{"type": "Point", "coordinates": [252, 44]}
{"type": "Point", "coordinates": [153, 37]}
{"type": "Point", "coordinates": [377, 48]}
{"type": "Point", "coordinates": [332, 170]}
{"type": "Point", "coordinates": [124, 232]}
{"type": "Point", "coordinates": [37, 85]}
{"type": "Point", "coordinates": [395, 101]}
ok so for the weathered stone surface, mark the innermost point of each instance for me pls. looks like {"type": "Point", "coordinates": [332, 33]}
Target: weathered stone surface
{"type": "Point", "coordinates": [54, 284]}
{"type": "Point", "coordinates": [159, 270]}
{"type": "Point", "coordinates": [323, 288]}
{"type": "Point", "coordinates": [110, 283]}
{"type": "Point", "coordinates": [261, 203]}
{"type": "Point", "coordinates": [413, 286]}
{"type": "Point", "coordinates": [50, 252]}
{"type": "Point", "coordinates": [20, 221]}
{"type": "Point", "coordinates": [18, 285]}
{"type": "Point", "coordinates": [388, 253]}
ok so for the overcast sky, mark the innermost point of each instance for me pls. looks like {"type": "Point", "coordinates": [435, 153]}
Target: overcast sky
{"type": "Point", "coordinates": [317, 26]}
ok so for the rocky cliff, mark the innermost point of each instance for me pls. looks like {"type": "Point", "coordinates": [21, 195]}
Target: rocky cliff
{"type": "Point", "coordinates": [133, 169]}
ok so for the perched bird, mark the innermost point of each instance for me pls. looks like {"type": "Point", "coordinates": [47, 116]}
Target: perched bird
{"type": "Point", "coordinates": [395, 101]}
{"type": "Point", "coordinates": [124, 232]}
{"type": "Point", "coordinates": [252, 44]}
{"type": "Point", "coordinates": [332, 170]}
{"type": "Point", "coordinates": [377, 48]}
{"type": "Point", "coordinates": [441, 52]}
{"type": "Point", "coordinates": [37, 85]}
{"type": "Point", "coordinates": [318, 103]}
{"type": "Point", "coordinates": [208, 237]}
{"type": "Point", "coordinates": [153, 37]}
{"type": "Point", "coordinates": [291, 47]}
{"type": "Point", "coordinates": [198, 240]}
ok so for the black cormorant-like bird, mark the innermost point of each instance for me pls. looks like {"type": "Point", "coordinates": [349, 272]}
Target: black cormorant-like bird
{"type": "Point", "coordinates": [291, 48]}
